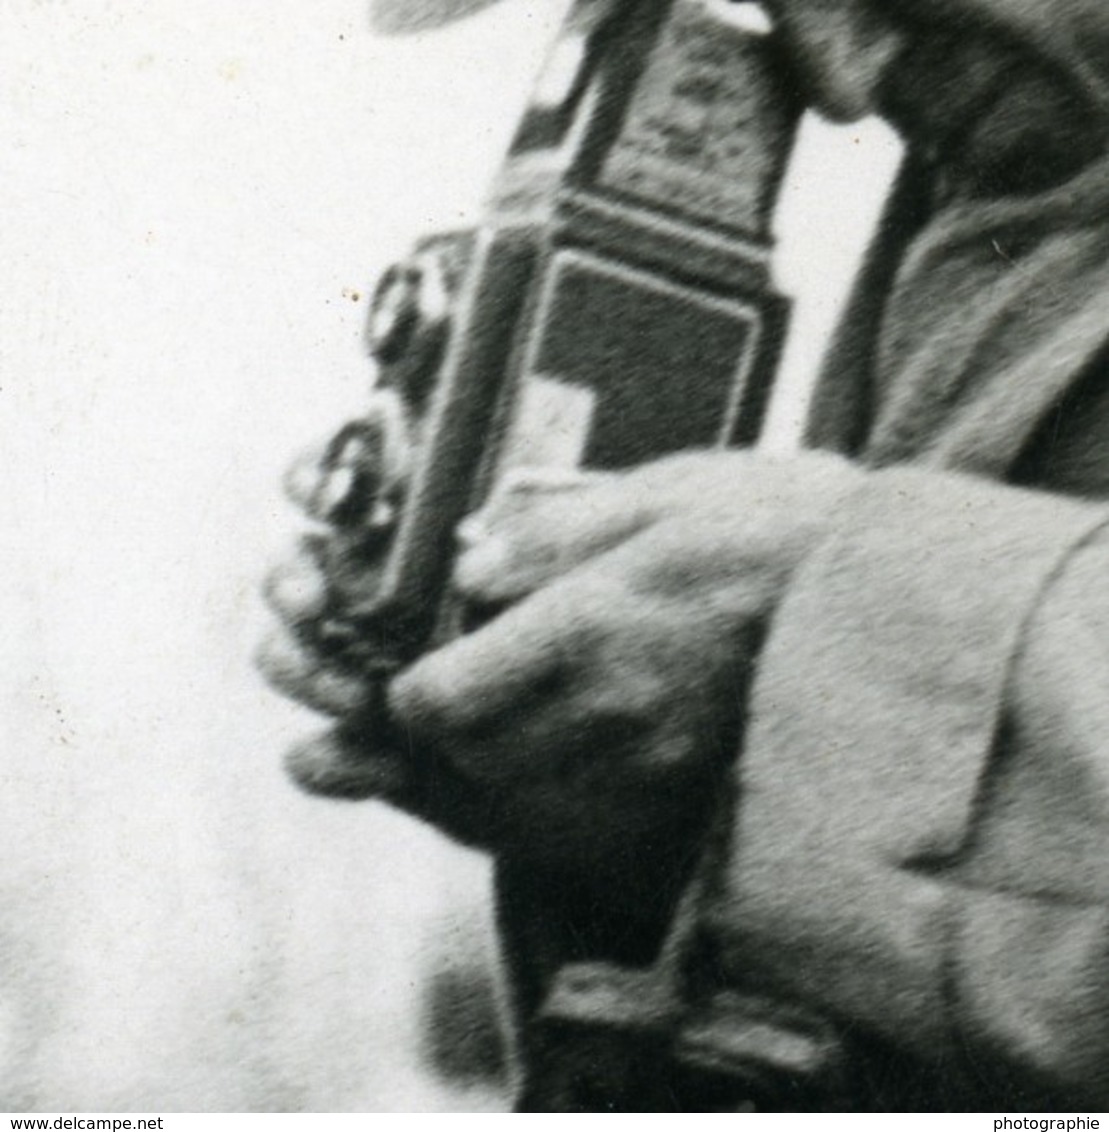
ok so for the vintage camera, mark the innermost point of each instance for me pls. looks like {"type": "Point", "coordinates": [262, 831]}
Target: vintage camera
{"type": "Point", "coordinates": [616, 303]}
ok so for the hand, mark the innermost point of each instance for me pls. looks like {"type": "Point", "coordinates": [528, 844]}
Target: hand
{"type": "Point", "coordinates": [350, 486]}
{"type": "Point", "coordinates": [598, 712]}
{"type": "Point", "coordinates": [597, 715]}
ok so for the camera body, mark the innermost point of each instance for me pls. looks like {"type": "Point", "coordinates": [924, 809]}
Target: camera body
{"type": "Point", "coordinates": [616, 303]}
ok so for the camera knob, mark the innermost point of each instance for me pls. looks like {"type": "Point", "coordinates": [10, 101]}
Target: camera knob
{"type": "Point", "coordinates": [409, 320]}
{"type": "Point", "coordinates": [394, 312]}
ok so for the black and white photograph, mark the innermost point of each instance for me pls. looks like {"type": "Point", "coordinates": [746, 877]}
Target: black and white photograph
{"type": "Point", "coordinates": [551, 558]}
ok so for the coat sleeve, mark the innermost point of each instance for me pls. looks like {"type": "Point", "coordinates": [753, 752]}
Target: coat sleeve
{"type": "Point", "coordinates": [921, 844]}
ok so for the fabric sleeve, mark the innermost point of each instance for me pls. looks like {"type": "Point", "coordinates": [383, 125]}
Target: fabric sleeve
{"type": "Point", "coordinates": [928, 661]}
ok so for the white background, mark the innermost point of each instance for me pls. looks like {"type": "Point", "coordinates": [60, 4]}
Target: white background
{"type": "Point", "coordinates": [194, 199]}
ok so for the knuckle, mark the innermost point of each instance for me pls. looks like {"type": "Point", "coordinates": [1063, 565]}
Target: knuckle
{"type": "Point", "coordinates": [483, 571]}
{"type": "Point", "coordinates": [593, 610]}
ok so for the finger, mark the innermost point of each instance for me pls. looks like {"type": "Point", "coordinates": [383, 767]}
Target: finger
{"type": "Point", "coordinates": [353, 768]}
{"type": "Point", "coordinates": [297, 589]}
{"type": "Point", "coordinates": [554, 690]}
{"type": "Point", "coordinates": [518, 490]}
{"type": "Point", "coordinates": [524, 696]}
{"type": "Point", "coordinates": [602, 647]}
{"type": "Point", "coordinates": [512, 550]}
{"type": "Point", "coordinates": [297, 672]}
{"type": "Point", "coordinates": [336, 766]}
{"type": "Point", "coordinates": [484, 677]}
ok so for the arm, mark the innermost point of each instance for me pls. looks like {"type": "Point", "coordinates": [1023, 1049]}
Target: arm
{"type": "Point", "coordinates": [874, 870]}
{"type": "Point", "coordinates": [608, 695]}
{"type": "Point", "coordinates": [923, 829]}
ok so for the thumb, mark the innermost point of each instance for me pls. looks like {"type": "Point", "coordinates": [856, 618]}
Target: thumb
{"type": "Point", "coordinates": [341, 765]}
{"type": "Point", "coordinates": [537, 529]}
